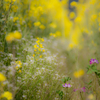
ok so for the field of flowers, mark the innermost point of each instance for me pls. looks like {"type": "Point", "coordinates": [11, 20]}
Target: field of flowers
{"type": "Point", "coordinates": [49, 50]}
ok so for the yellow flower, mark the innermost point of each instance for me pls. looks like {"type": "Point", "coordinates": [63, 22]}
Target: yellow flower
{"type": "Point", "coordinates": [34, 49]}
{"type": "Point", "coordinates": [90, 97]}
{"type": "Point", "coordinates": [51, 34]}
{"type": "Point", "coordinates": [2, 77]}
{"type": "Point", "coordinates": [78, 19]}
{"type": "Point", "coordinates": [42, 39]}
{"type": "Point", "coordinates": [40, 56]}
{"type": "Point", "coordinates": [40, 9]}
{"type": "Point", "coordinates": [7, 95]}
{"type": "Point", "coordinates": [54, 35]}
{"type": "Point", "coordinates": [16, 67]}
{"type": "Point", "coordinates": [10, 37]}
{"type": "Point", "coordinates": [39, 49]}
{"type": "Point", "coordinates": [15, 19]}
{"type": "Point", "coordinates": [41, 46]}
{"type": "Point", "coordinates": [14, 8]}
{"type": "Point", "coordinates": [43, 50]}
{"type": "Point", "coordinates": [42, 27]}
{"type": "Point", "coordinates": [33, 55]}
{"type": "Point", "coordinates": [35, 46]}
{"type": "Point", "coordinates": [58, 33]}
{"type": "Point", "coordinates": [17, 35]}
{"type": "Point", "coordinates": [37, 23]}
{"type": "Point", "coordinates": [72, 15]}
{"type": "Point", "coordinates": [71, 45]}
{"type": "Point", "coordinates": [93, 17]}
{"type": "Point", "coordinates": [37, 38]}
{"type": "Point", "coordinates": [79, 73]}
{"type": "Point", "coordinates": [37, 42]}
{"type": "Point", "coordinates": [10, 0]}
{"type": "Point", "coordinates": [19, 71]}
{"type": "Point", "coordinates": [73, 4]}
{"type": "Point", "coordinates": [19, 62]}
{"type": "Point", "coordinates": [53, 25]}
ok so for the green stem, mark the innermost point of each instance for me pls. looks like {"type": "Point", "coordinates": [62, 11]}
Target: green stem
{"type": "Point", "coordinates": [97, 79]}
{"type": "Point", "coordinates": [81, 96]}
{"type": "Point", "coordinates": [9, 10]}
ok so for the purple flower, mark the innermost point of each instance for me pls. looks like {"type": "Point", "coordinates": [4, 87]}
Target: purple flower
{"type": "Point", "coordinates": [66, 85]}
{"type": "Point", "coordinates": [80, 89]}
{"type": "Point", "coordinates": [83, 89]}
{"type": "Point", "coordinates": [75, 90]}
{"type": "Point", "coordinates": [93, 61]}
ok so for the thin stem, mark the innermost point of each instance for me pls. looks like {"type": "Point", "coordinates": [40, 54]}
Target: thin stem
{"type": "Point", "coordinates": [96, 85]}
{"type": "Point", "coordinates": [81, 96]}
{"type": "Point", "coordinates": [2, 4]}
{"type": "Point", "coordinates": [9, 10]}
{"type": "Point", "coordinates": [97, 79]}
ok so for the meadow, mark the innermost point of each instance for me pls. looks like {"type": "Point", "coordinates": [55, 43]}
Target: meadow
{"type": "Point", "coordinates": [49, 50]}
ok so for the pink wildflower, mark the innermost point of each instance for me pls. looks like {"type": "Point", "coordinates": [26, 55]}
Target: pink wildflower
{"type": "Point", "coordinates": [67, 85]}
{"type": "Point", "coordinates": [93, 61]}
{"type": "Point", "coordinates": [80, 89]}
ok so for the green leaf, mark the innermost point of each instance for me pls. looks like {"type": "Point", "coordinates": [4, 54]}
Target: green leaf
{"type": "Point", "coordinates": [90, 82]}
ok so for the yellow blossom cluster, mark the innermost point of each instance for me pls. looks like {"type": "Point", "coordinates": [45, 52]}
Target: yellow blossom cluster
{"type": "Point", "coordinates": [2, 77]}
{"type": "Point", "coordinates": [15, 19]}
{"type": "Point", "coordinates": [18, 66]}
{"type": "Point", "coordinates": [10, 0]}
{"type": "Point", "coordinates": [10, 4]}
{"type": "Point", "coordinates": [38, 48]}
{"type": "Point", "coordinates": [6, 94]}
{"type": "Point", "coordinates": [78, 73]}
{"type": "Point", "coordinates": [53, 25]}
{"type": "Point", "coordinates": [13, 35]}
{"type": "Point", "coordinates": [56, 34]}
{"type": "Point", "coordinates": [38, 24]}
{"type": "Point", "coordinates": [52, 16]}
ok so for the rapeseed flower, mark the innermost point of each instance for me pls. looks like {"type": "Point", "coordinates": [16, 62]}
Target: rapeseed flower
{"type": "Point", "coordinates": [73, 4]}
{"type": "Point", "coordinates": [39, 49]}
{"type": "Point", "coordinates": [78, 73]}
{"type": "Point", "coordinates": [90, 97]}
{"type": "Point", "coordinates": [42, 39]}
{"type": "Point", "coordinates": [41, 46]}
{"type": "Point", "coordinates": [10, 37]}
{"type": "Point", "coordinates": [15, 19]}
{"type": "Point", "coordinates": [40, 56]}
{"type": "Point", "coordinates": [2, 77]}
{"type": "Point", "coordinates": [19, 71]}
{"type": "Point", "coordinates": [43, 50]}
{"type": "Point", "coordinates": [33, 55]}
{"type": "Point", "coordinates": [37, 23]}
{"type": "Point", "coordinates": [35, 50]}
{"type": "Point", "coordinates": [18, 65]}
{"type": "Point", "coordinates": [17, 35]}
{"type": "Point", "coordinates": [72, 15]}
{"type": "Point", "coordinates": [10, 0]}
{"type": "Point", "coordinates": [42, 27]}
{"type": "Point", "coordinates": [35, 46]}
{"type": "Point", "coordinates": [7, 95]}
{"type": "Point", "coordinates": [53, 25]}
